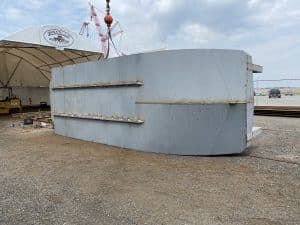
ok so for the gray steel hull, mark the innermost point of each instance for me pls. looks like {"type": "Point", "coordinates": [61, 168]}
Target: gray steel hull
{"type": "Point", "coordinates": [166, 102]}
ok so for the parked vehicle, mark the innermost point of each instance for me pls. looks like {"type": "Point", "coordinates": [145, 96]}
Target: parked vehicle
{"type": "Point", "coordinates": [289, 93]}
{"type": "Point", "coordinates": [274, 93]}
{"type": "Point", "coordinates": [8, 102]}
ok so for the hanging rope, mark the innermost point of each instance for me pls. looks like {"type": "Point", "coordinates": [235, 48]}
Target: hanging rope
{"type": "Point", "coordinates": [108, 19]}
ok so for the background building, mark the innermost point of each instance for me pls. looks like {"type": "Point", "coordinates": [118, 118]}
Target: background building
{"type": "Point", "coordinates": [27, 57]}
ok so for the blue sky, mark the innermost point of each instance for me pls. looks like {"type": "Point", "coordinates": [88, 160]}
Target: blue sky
{"type": "Point", "coordinates": [269, 30]}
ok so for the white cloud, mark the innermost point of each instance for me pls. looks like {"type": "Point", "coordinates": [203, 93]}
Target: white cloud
{"type": "Point", "coordinates": [196, 33]}
{"type": "Point", "coordinates": [12, 13]}
{"type": "Point", "coordinates": [267, 29]}
{"type": "Point", "coordinates": [166, 6]}
{"type": "Point", "coordinates": [219, 2]}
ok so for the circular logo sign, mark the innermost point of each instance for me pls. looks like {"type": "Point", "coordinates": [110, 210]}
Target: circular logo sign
{"type": "Point", "coordinates": [58, 37]}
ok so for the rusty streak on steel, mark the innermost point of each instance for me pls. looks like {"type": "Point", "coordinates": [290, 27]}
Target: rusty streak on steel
{"type": "Point", "coordinates": [118, 119]}
{"type": "Point", "coordinates": [192, 102]}
{"type": "Point", "coordinates": [102, 85]}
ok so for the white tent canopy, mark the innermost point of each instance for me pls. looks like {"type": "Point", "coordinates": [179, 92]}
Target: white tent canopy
{"type": "Point", "coordinates": [26, 57]}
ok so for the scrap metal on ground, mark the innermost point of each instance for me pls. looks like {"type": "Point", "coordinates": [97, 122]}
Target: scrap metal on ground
{"type": "Point", "coordinates": [41, 116]}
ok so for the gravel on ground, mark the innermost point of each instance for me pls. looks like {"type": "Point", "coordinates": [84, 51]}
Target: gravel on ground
{"type": "Point", "coordinates": [49, 179]}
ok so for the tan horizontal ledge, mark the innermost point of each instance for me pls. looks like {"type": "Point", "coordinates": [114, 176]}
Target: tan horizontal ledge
{"type": "Point", "coordinates": [119, 119]}
{"type": "Point", "coordinates": [101, 85]}
{"type": "Point", "coordinates": [255, 68]}
{"type": "Point", "coordinates": [191, 102]}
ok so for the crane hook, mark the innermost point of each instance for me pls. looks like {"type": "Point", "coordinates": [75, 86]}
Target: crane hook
{"type": "Point", "coordinates": [108, 19]}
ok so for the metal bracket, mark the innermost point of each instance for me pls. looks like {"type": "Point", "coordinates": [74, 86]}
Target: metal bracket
{"type": "Point", "coordinates": [102, 85]}
{"type": "Point", "coordinates": [254, 68]}
{"type": "Point", "coordinates": [119, 119]}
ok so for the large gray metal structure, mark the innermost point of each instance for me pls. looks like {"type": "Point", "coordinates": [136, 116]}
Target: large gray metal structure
{"type": "Point", "coordinates": [187, 102]}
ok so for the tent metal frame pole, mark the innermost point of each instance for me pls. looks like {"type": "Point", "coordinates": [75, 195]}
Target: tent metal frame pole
{"type": "Point", "coordinates": [68, 60]}
{"type": "Point", "coordinates": [34, 56]}
{"type": "Point", "coordinates": [14, 72]}
{"type": "Point", "coordinates": [3, 52]}
{"type": "Point", "coordinates": [64, 54]}
{"type": "Point", "coordinates": [48, 55]}
{"type": "Point", "coordinates": [47, 71]}
{"type": "Point", "coordinates": [83, 56]}
{"type": "Point", "coordinates": [30, 64]}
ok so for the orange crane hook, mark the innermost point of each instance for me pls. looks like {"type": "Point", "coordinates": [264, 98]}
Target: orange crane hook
{"type": "Point", "coordinates": [108, 19]}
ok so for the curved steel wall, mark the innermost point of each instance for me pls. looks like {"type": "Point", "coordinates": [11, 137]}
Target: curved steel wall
{"type": "Point", "coordinates": [189, 102]}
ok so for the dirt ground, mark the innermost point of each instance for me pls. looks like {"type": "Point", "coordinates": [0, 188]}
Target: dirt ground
{"type": "Point", "coordinates": [48, 179]}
